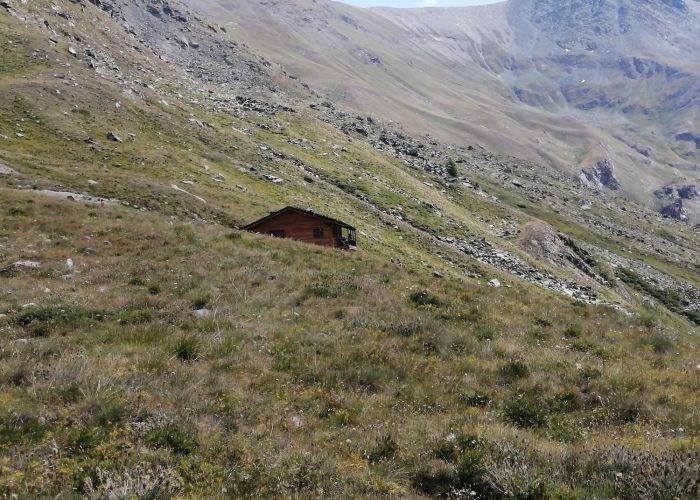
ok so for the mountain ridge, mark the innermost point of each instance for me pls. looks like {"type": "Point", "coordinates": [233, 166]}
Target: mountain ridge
{"type": "Point", "coordinates": [494, 86]}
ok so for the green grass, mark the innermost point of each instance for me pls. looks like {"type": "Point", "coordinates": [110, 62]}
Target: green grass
{"type": "Point", "coordinates": [316, 373]}
{"type": "Point", "coordinates": [276, 380]}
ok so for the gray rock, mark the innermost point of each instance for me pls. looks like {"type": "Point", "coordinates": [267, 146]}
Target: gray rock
{"type": "Point", "coordinates": [26, 264]}
{"type": "Point", "coordinates": [219, 178]}
{"type": "Point", "coordinates": [600, 175]}
{"type": "Point", "coordinates": [272, 178]}
{"type": "Point", "coordinates": [675, 210]}
{"type": "Point", "coordinates": [201, 313]}
{"type": "Point", "coordinates": [495, 283]}
{"type": "Point", "coordinates": [113, 137]}
{"type": "Point", "coordinates": [4, 169]}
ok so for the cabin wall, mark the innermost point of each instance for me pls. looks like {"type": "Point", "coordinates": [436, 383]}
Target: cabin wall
{"type": "Point", "coordinates": [299, 227]}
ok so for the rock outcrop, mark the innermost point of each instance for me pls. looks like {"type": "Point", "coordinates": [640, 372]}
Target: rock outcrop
{"type": "Point", "coordinates": [601, 175]}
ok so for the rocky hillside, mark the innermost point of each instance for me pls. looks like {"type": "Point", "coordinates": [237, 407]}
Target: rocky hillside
{"type": "Point", "coordinates": [570, 84]}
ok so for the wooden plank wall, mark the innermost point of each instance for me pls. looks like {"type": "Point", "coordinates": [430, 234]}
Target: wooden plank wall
{"type": "Point", "coordinates": [299, 227]}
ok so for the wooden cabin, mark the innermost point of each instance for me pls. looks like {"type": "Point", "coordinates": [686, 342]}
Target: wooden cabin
{"type": "Point", "coordinates": [304, 225]}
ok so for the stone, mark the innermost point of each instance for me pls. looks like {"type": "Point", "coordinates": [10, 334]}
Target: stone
{"type": "Point", "coordinates": [27, 264]}
{"type": "Point", "coordinates": [72, 51]}
{"type": "Point", "coordinates": [495, 283]}
{"type": "Point", "coordinates": [4, 169]}
{"type": "Point", "coordinates": [274, 179]}
{"type": "Point", "coordinates": [113, 137]}
{"type": "Point", "coordinates": [600, 175]}
{"type": "Point", "coordinates": [219, 178]}
{"type": "Point", "coordinates": [201, 313]}
{"type": "Point", "coordinates": [296, 421]}
{"type": "Point", "coordinates": [69, 264]}
{"type": "Point", "coordinates": [438, 274]}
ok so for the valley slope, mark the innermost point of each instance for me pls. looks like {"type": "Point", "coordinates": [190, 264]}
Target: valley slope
{"type": "Point", "coordinates": [570, 84]}
{"type": "Point", "coordinates": [500, 329]}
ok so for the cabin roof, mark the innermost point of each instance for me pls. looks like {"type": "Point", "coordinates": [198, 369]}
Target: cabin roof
{"type": "Point", "coordinates": [285, 210]}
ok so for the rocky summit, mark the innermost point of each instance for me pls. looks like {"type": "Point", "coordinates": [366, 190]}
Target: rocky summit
{"type": "Point", "coordinates": [519, 301]}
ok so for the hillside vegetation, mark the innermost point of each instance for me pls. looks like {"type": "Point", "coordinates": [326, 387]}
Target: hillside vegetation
{"type": "Point", "coordinates": [150, 349]}
{"type": "Point", "coordinates": [178, 358]}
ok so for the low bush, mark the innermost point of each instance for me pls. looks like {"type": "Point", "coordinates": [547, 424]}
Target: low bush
{"type": "Point", "coordinates": [514, 369]}
{"type": "Point", "coordinates": [175, 438]}
{"type": "Point", "coordinates": [659, 343]}
{"type": "Point", "coordinates": [572, 331]}
{"type": "Point", "coordinates": [526, 410]}
{"type": "Point", "coordinates": [201, 301]}
{"type": "Point", "coordinates": [188, 348]}
{"type": "Point", "coordinates": [60, 316]}
{"type": "Point", "coordinates": [425, 299]}
{"type": "Point", "coordinates": [20, 430]}
{"type": "Point", "coordinates": [384, 449]}
{"type": "Point", "coordinates": [83, 439]}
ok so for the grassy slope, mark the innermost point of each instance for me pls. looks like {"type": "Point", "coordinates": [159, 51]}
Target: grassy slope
{"type": "Point", "coordinates": [310, 357]}
{"type": "Point", "coordinates": [316, 372]}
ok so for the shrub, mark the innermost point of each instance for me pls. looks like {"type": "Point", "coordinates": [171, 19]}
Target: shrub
{"type": "Point", "coordinates": [59, 316]}
{"type": "Point", "coordinates": [18, 375]}
{"type": "Point", "coordinates": [566, 401]}
{"type": "Point", "coordinates": [572, 331]}
{"type": "Point", "coordinates": [83, 439]}
{"type": "Point", "coordinates": [451, 168]}
{"type": "Point", "coordinates": [106, 409]}
{"type": "Point", "coordinates": [425, 298]}
{"type": "Point", "coordinates": [154, 289]}
{"type": "Point", "coordinates": [20, 430]}
{"type": "Point", "coordinates": [656, 476]}
{"type": "Point", "coordinates": [178, 440]}
{"type": "Point", "coordinates": [590, 347]}
{"type": "Point", "coordinates": [483, 332]}
{"type": "Point", "coordinates": [137, 281]}
{"type": "Point", "coordinates": [525, 411]}
{"type": "Point", "coordinates": [16, 211]}
{"type": "Point", "coordinates": [201, 301]}
{"type": "Point", "coordinates": [563, 431]}
{"type": "Point", "coordinates": [136, 316]}
{"type": "Point", "coordinates": [543, 321]}
{"type": "Point", "coordinates": [659, 343]}
{"type": "Point", "coordinates": [455, 449]}
{"type": "Point", "coordinates": [185, 233]}
{"type": "Point", "coordinates": [477, 400]}
{"type": "Point", "coordinates": [384, 449]}
{"type": "Point", "coordinates": [514, 369]}
{"type": "Point", "coordinates": [438, 482]}
{"type": "Point", "coordinates": [187, 348]}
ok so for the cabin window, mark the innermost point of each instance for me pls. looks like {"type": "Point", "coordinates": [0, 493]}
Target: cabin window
{"type": "Point", "coordinates": [277, 233]}
{"type": "Point", "coordinates": [318, 233]}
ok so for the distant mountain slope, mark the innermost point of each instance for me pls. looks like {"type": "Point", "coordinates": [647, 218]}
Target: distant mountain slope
{"type": "Point", "coordinates": [572, 83]}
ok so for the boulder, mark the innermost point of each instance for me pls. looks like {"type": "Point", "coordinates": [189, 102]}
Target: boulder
{"type": "Point", "coordinates": [4, 169]}
{"type": "Point", "coordinates": [675, 210]}
{"type": "Point", "coordinates": [600, 175]}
